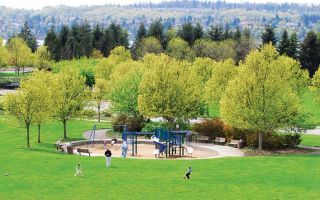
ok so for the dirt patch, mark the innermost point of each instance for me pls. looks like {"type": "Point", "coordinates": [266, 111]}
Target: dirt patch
{"type": "Point", "coordinates": [146, 151]}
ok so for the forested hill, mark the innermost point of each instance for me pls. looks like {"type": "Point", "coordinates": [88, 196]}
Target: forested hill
{"type": "Point", "coordinates": [293, 17]}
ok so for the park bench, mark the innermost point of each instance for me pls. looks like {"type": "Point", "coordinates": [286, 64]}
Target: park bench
{"type": "Point", "coordinates": [202, 138]}
{"type": "Point", "coordinates": [220, 140]}
{"type": "Point", "coordinates": [59, 147]}
{"type": "Point", "coordinates": [234, 143]}
{"type": "Point", "coordinates": [80, 150]}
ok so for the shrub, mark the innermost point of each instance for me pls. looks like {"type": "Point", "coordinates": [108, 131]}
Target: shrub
{"type": "Point", "coordinates": [88, 113]}
{"type": "Point", "coordinates": [134, 123]}
{"type": "Point", "coordinates": [211, 128]}
{"type": "Point", "coordinates": [151, 126]}
{"type": "Point", "coordinates": [106, 113]}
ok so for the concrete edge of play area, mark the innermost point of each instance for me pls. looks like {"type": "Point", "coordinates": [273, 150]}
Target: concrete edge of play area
{"type": "Point", "coordinates": [222, 151]}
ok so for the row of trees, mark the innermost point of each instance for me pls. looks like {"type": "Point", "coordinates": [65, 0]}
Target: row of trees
{"type": "Point", "coordinates": [307, 52]}
{"type": "Point", "coordinates": [263, 94]}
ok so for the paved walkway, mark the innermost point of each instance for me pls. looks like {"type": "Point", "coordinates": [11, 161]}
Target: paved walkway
{"type": "Point", "coordinates": [100, 134]}
{"type": "Point", "coordinates": [223, 151]}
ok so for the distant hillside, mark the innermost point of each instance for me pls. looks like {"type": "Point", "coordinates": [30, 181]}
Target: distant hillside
{"type": "Point", "coordinates": [294, 17]}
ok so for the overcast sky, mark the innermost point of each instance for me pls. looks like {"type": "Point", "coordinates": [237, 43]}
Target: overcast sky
{"type": "Point", "coordinates": [37, 4]}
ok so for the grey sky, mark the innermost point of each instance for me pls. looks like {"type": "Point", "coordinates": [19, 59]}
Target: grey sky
{"type": "Point", "coordinates": [37, 4]}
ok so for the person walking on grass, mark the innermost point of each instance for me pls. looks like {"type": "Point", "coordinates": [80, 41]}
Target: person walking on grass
{"type": "Point", "coordinates": [78, 170]}
{"type": "Point", "coordinates": [124, 148]}
{"type": "Point", "coordinates": [188, 173]}
{"type": "Point", "coordinates": [108, 155]}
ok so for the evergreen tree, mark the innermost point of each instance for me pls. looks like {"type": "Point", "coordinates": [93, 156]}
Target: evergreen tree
{"type": "Point", "coordinates": [309, 53]}
{"type": "Point", "coordinates": [28, 37]}
{"type": "Point", "coordinates": [269, 35]}
{"type": "Point", "coordinates": [63, 38]}
{"type": "Point", "coordinates": [198, 32]}
{"type": "Point", "coordinates": [227, 34]}
{"type": "Point", "coordinates": [237, 35]}
{"type": "Point", "coordinates": [186, 32]}
{"type": "Point", "coordinates": [107, 47]}
{"type": "Point", "coordinates": [294, 46]}
{"type": "Point", "coordinates": [52, 42]}
{"type": "Point", "coordinates": [156, 30]}
{"type": "Point", "coordinates": [85, 40]}
{"type": "Point", "coordinates": [216, 33]}
{"type": "Point", "coordinates": [98, 38]}
{"type": "Point", "coordinates": [284, 44]}
{"type": "Point", "coordinates": [141, 33]}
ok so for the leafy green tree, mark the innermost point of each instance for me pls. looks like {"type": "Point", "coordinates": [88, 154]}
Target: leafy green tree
{"type": "Point", "coordinates": [150, 45]}
{"type": "Point", "coordinates": [284, 44]}
{"type": "Point", "coordinates": [42, 61]}
{"type": "Point", "coordinates": [124, 91]}
{"type": "Point", "coordinates": [258, 98]}
{"type": "Point", "coordinates": [309, 53]}
{"type": "Point", "coordinates": [179, 49]}
{"type": "Point", "coordinates": [222, 73]}
{"type": "Point", "coordinates": [28, 37]}
{"type": "Point", "coordinates": [30, 104]}
{"type": "Point", "coordinates": [4, 55]}
{"type": "Point", "coordinates": [69, 96]}
{"type": "Point", "coordinates": [169, 89]}
{"type": "Point", "coordinates": [269, 35]}
{"type": "Point", "coordinates": [20, 54]}
{"type": "Point", "coordinates": [315, 86]}
{"type": "Point", "coordinates": [99, 94]}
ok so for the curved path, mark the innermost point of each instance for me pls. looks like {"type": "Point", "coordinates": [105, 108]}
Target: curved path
{"type": "Point", "coordinates": [100, 134]}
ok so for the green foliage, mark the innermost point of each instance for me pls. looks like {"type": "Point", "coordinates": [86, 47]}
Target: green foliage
{"type": "Point", "coordinates": [259, 98]}
{"type": "Point", "coordinates": [28, 37]}
{"type": "Point", "coordinates": [203, 68]}
{"type": "Point", "coordinates": [222, 73]}
{"type": "Point", "coordinates": [210, 127]}
{"type": "Point", "coordinates": [42, 61]}
{"type": "Point", "coordinates": [179, 49]}
{"type": "Point", "coordinates": [269, 36]}
{"type": "Point", "coordinates": [70, 94]}
{"type": "Point", "coordinates": [4, 56]}
{"type": "Point", "coordinates": [149, 45]}
{"type": "Point", "coordinates": [309, 53]}
{"type": "Point", "coordinates": [169, 89]}
{"type": "Point", "coordinates": [284, 44]}
{"type": "Point", "coordinates": [124, 91]}
{"type": "Point", "coordinates": [133, 123]}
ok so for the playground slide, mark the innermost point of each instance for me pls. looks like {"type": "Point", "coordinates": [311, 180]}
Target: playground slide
{"type": "Point", "coordinates": [189, 149]}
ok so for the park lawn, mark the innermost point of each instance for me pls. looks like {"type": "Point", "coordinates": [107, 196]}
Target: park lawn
{"type": "Point", "coordinates": [43, 173]}
{"type": "Point", "coordinates": [311, 106]}
{"type": "Point", "coordinates": [310, 140]}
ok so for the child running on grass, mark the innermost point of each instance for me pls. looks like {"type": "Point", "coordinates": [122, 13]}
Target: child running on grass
{"type": "Point", "coordinates": [78, 170]}
{"type": "Point", "coordinates": [188, 173]}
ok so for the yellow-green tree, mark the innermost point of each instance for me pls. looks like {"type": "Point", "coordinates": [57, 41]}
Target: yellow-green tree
{"type": "Point", "coordinates": [31, 104]}
{"type": "Point", "coordinates": [42, 60]}
{"type": "Point", "coordinates": [20, 53]}
{"type": "Point", "coordinates": [149, 45]}
{"type": "Point", "coordinates": [70, 94]}
{"type": "Point", "coordinates": [4, 55]}
{"type": "Point", "coordinates": [169, 89]}
{"type": "Point", "coordinates": [179, 49]}
{"type": "Point", "coordinates": [105, 66]}
{"type": "Point", "coordinates": [124, 82]}
{"type": "Point", "coordinates": [222, 73]}
{"type": "Point", "coordinates": [315, 86]}
{"type": "Point", "coordinates": [258, 98]}
{"type": "Point", "coordinates": [99, 94]}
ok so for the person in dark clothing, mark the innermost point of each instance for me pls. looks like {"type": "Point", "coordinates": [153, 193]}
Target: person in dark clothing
{"type": "Point", "coordinates": [108, 155]}
{"type": "Point", "coordinates": [188, 173]}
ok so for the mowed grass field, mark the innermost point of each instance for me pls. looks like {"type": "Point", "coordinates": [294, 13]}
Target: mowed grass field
{"type": "Point", "coordinates": [43, 173]}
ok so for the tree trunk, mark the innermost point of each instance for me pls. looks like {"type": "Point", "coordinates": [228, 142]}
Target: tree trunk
{"type": "Point", "coordinates": [28, 135]}
{"type": "Point", "coordinates": [65, 129]}
{"type": "Point", "coordinates": [260, 141]}
{"type": "Point", "coordinates": [39, 127]}
{"type": "Point", "coordinates": [99, 114]}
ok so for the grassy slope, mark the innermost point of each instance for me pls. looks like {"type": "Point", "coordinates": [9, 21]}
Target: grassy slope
{"type": "Point", "coordinates": [42, 173]}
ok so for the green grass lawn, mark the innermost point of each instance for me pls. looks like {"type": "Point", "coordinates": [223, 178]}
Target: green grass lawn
{"type": "Point", "coordinates": [43, 173]}
{"type": "Point", "coordinates": [310, 140]}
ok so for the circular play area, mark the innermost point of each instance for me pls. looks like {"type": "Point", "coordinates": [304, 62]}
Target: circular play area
{"type": "Point", "coordinates": [160, 144]}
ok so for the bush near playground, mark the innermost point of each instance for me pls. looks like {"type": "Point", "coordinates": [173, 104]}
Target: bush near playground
{"type": "Point", "coordinates": [216, 128]}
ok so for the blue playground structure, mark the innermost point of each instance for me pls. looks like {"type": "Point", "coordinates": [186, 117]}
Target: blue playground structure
{"type": "Point", "coordinates": [172, 143]}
